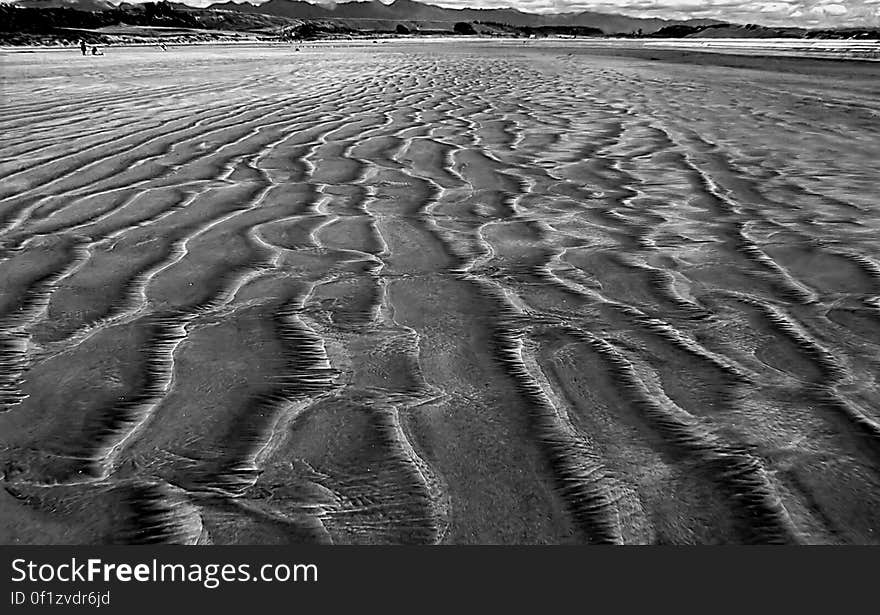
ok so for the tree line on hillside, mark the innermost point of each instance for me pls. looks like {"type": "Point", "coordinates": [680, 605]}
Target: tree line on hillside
{"type": "Point", "coordinates": [19, 19]}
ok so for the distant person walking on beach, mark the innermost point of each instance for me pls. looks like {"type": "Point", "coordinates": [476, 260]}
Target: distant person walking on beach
{"type": "Point", "coordinates": [82, 47]}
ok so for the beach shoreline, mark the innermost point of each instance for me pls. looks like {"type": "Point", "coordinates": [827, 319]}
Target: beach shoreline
{"type": "Point", "coordinates": [861, 51]}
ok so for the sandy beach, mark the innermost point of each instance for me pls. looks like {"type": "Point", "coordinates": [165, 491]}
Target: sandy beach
{"type": "Point", "coordinates": [439, 293]}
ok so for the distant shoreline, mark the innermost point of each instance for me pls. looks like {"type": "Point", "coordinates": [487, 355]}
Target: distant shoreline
{"type": "Point", "coordinates": [833, 50]}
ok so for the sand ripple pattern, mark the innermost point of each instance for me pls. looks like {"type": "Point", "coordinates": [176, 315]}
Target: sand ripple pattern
{"type": "Point", "coordinates": [424, 295]}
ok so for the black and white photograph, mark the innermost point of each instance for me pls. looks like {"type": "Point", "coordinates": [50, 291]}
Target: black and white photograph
{"type": "Point", "coordinates": [437, 272]}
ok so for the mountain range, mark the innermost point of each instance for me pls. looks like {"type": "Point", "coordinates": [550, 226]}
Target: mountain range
{"type": "Point", "coordinates": [409, 10]}
{"type": "Point", "coordinates": [406, 11]}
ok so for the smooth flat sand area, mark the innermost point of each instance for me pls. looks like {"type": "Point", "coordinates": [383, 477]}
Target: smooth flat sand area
{"type": "Point", "coordinates": [476, 293]}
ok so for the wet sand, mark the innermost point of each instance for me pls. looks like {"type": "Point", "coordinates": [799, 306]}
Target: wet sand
{"type": "Point", "coordinates": [439, 294]}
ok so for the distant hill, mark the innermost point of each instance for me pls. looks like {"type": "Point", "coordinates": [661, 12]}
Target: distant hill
{"type": "Point", "coordinates": [755, 31]}
{"type": "Point", "coordinates": [132, 23]}
{"type": "Point", "coordinates": [409, 10]}
{"type": "Point", "coordinates": [77, 5]}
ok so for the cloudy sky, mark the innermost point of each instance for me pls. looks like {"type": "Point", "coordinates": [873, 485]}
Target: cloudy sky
{"type": "Point", "coordinates": [811, 13]}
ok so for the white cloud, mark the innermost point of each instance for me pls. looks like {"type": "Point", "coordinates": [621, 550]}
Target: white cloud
{"type": "Point", "coordinates": [832, 9]}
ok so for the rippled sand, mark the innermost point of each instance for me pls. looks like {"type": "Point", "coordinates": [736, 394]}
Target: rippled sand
{"type": "Point", "coordinates": [450, 293]}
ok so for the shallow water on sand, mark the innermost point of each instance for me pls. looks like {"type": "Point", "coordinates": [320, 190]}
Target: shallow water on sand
{"type": "Point", "coordinates": [415, 294]}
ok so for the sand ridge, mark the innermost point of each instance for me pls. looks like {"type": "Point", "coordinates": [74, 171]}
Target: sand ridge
{"type": "Point", "coordinates": [435, 294]}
